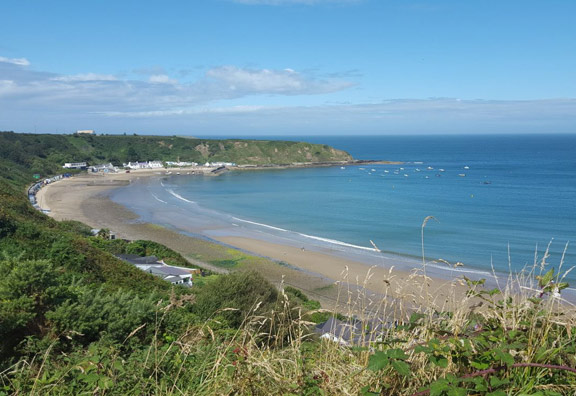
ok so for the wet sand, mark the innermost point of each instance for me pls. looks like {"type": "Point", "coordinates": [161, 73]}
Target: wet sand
{"type": "Point", "coordinates": [335, 281]}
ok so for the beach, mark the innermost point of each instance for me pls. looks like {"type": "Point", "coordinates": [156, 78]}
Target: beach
{"type": "Point", "coordinates": [337, 282]}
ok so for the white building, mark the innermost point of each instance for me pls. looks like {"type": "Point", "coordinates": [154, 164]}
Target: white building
{"type": "Point", "coordinates": [155, 164]}
{"type": "Point", "coordinates": [85, 132]}
{"type": "Point", "coordinates": [106, 168]}
{"type": "Point", "coordinates": [144, 165]}
{"type": "Point", "coordinates": [219, 164]}
{"type": "Point", "coordinates": [181, 163]}
{"type": "Point", "coordinates": [74, 165]}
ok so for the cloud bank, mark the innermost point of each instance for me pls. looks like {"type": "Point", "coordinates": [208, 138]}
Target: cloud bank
{"type": "Point", "coordinates": [235, 100]}
{"type": "Point", "coordinates": [102, 92]}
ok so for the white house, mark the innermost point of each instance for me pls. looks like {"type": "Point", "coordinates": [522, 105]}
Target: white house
{"type": "Point", "coordinates": [104, 168]}
{"type": "Point", "coordinates": [85, 132]}
{"type": "Point", "coordinates": [151, 264]}
{"type": "Point", "coordinates": [144, 165]}
{"type": "Point", "coordinates": [155, 164]}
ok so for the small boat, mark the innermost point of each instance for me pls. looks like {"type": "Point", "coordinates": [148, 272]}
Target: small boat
{"type": "Point", "coordinates": [177, 173]}
{"type": "Point", "coordinates": [396, 173]}
{"type": "Point", "coordinates": [362, 168]}
{"type": "Point", "coordinates": [462, 174]}
{"type": "Point", "coordinates": [429, 168]}
{"type": "Point", "coordinates": [386, 171]}
{"type": "Point", "coordinates": [405, 175]}
{"type": "Point", "coordinates": [417, 170]}
{"type": "Point", "coordinates": [438, 175]}
{"type": "Point", "coordinates": [427, 177]}
{"type": "Point", "coordinates": [441, 170]}
{"type": "Point", "coordinates": [487, 182]}
{"type": "Point", "coordinates": [342, 167]}
{"type": "Point", "coordinates": [466, 167]}
{"type": "Point", "coordinates": [373, 170]}
{"type": "Point", "coordinates": [401, 168]}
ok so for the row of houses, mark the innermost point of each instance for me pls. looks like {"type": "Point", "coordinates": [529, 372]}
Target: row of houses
{"type": "Point", "coordinates": [219, 164]}
{"type": "Point", "coordinates": [160, 164]}
{"type": "Point", "coordinates": [144, 165]}
{"type": "Point", "coordinates": [180, 164]}
{"type": "Point", "coordinates": [33, 189]}
{"type": "Point", "coordinates": [106, 168]}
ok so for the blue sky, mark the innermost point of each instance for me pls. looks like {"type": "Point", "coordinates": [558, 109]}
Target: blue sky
{"type": "Point", "coordinates": [302, 67]}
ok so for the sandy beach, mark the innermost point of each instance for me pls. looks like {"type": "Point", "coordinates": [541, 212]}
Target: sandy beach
{"type": "Point", "coordinates": [335, 281]}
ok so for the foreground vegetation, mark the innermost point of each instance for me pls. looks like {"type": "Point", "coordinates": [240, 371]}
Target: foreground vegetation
{"type": "Point", "coordinates": [76, 320]}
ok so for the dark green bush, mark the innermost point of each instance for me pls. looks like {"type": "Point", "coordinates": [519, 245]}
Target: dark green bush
{"type": "Point", "coordinates": [241, 291]}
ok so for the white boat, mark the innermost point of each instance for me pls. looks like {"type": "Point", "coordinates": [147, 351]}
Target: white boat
{"type": "Point", "coordinates": [401, 168]}
{"type": "Point", "coordinates": [386, 171]}
{"type": "Point", "coordinates": [462, 174]}
{"type": "Point", "coordinates": [405, 175]}
{"type": "Point", "coordinates": [362, 168]}
{"type": "Point", "coordinates": [441, 170]}
{"type": "Point", "coordinates": [342, 167]}
{"type": "Point", "coordinates": [427, 177]}
{"type": "Point", "coordinates": [417, 170]}
{"type": "Point", "coordinates": [466, 167]}
{"type": "Point", "coordinates": [429, 168]}
{"type": "Point", "coordinates": [373, 170]}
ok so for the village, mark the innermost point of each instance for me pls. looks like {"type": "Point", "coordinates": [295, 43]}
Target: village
{"type": "Point", "coordinates": [153, 265]}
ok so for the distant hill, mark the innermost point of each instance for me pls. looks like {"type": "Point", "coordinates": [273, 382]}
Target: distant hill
{"type": "Point", "coordinates": [45, 154]}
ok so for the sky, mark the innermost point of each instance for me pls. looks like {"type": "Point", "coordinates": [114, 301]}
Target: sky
{"type": "Point", "coordinates": [288, 67]}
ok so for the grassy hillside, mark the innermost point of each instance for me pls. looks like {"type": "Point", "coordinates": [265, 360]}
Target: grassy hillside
{"type": "Point", "coordinates": [75, 320]}
{"type": "Point", "coordinates": [45, 154]}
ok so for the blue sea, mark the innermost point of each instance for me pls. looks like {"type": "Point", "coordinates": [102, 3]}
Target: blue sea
{"type": "Point", "coordinates": [497, 202]}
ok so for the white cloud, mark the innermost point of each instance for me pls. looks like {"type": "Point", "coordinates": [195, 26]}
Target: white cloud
{"type": "Point", "coordinates": [24, 90]}
{"type": "Point", "coordinates": [162, 79]}
{"type": "Point", "coordinates": [15, 61]}
{"type": "Point", "coordinates": [287, 81]}
{"type": "Point", "coordinates": [86, 77]}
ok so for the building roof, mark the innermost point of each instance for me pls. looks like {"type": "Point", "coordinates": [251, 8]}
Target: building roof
{"type": "Point", "coordinates": [168, 270]}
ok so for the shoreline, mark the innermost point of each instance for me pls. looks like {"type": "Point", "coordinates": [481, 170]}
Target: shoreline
{"type": "Point", "coordinates": [84, 198]}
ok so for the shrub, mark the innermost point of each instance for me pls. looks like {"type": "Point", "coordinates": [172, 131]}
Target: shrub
{"type": "Point", "coordinates": [241, 291]}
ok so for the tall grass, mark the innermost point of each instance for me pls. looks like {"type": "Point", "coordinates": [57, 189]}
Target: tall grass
{"type": "Point", "coordinates": [517, 339]}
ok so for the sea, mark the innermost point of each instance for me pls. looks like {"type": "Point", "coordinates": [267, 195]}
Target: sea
{"type": "Point", "coordinates": [475, 205]}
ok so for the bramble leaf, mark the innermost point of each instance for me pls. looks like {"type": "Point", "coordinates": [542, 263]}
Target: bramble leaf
{"type": "Point", "coordinates": [401, 367]}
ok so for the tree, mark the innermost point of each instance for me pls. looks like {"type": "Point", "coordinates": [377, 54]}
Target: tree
{"type": "Point", "coordinates": [132, 154]}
